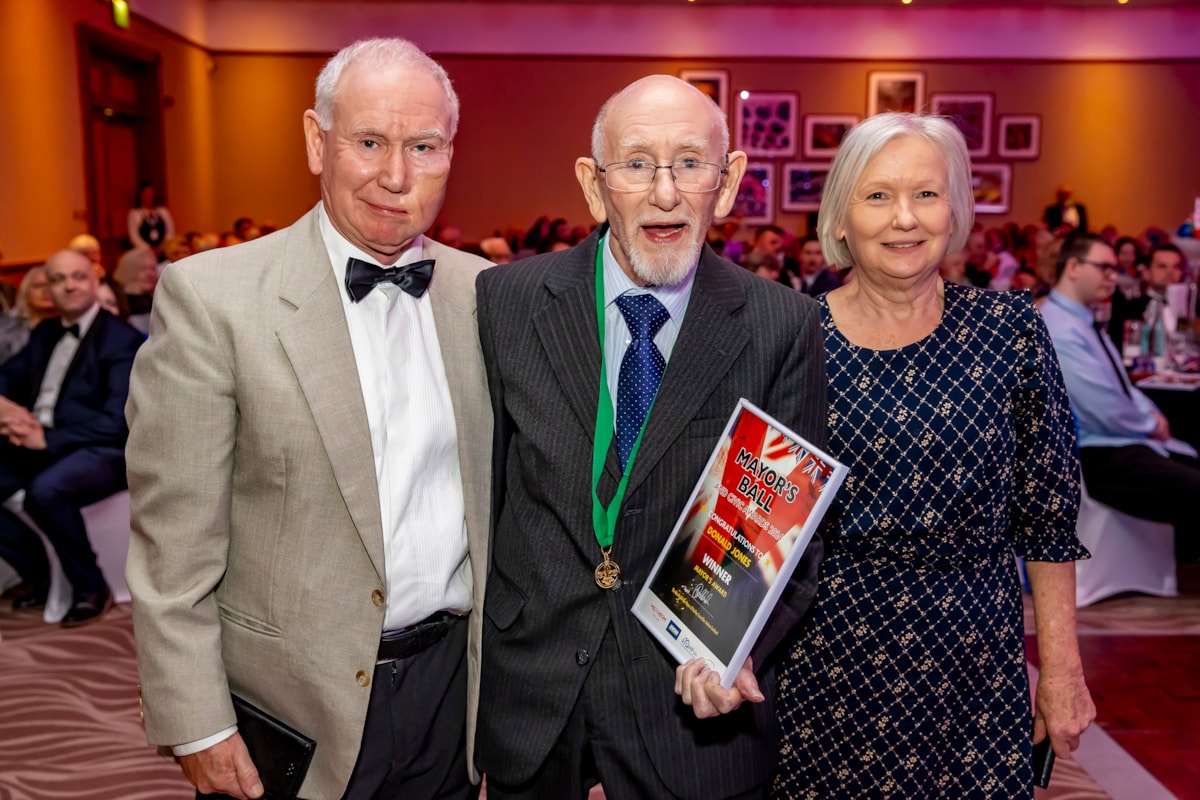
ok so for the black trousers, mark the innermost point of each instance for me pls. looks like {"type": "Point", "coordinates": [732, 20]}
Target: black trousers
{"type": "Point", "coordinates": [600, 744]}
{"type": "Point", "coordinates": [414, 743]}
{"type": "Point", "coordinates": [1138, 481]}
{"type": "Point", "coordinates": [55, 491]}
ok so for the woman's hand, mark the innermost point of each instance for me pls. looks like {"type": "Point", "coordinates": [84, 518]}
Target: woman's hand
{"type": "Point", "coordinates": [1063, 709]}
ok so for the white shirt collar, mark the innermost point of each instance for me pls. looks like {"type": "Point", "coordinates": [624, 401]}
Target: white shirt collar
{"type": "Point", "coordinates": [616, 283]}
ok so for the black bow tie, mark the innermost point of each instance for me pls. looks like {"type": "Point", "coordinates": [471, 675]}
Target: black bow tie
{"type": "Point", "coordinates": [71, 329]}
{"type": "Point", "coordinates": [362, 276]}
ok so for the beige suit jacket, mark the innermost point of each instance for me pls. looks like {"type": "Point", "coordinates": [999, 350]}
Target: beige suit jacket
{"type": "Point", "coordinates": [256, 562]}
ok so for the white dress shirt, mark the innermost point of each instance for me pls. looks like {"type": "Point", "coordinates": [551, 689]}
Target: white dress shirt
{"type": "Point", "coordinates": [56, 369]}
{"type": "Point", "coordinates": [413, 440]}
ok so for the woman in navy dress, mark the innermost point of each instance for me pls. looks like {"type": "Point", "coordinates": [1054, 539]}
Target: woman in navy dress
{"type": "Point", "coordinates": [948, 406]}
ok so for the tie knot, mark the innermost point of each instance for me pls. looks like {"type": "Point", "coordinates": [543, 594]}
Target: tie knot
{"type": "Point", "coordinates": [644, 315]}
{"type": "Point", "coordinates": [71, 329]}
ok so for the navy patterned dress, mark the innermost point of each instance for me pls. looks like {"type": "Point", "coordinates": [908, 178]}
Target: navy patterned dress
{"type": "Point", "coordinates": [909, 679]}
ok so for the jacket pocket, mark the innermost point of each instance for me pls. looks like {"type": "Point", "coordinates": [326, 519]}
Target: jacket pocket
{"type": "Point", "coordinates": [503, 602]}
{"type": "Point", "coordinates": [235, 617]}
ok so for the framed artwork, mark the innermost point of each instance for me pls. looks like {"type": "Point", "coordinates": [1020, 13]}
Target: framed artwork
{"type": "Point", "coordinates": [712, 82]}
{"type": "Point", "coordinates": [972, 113]}
{"type": "Point", "coordinates": [895, 91]}
{"type": "Point", "coordinates": [766, 123]}
{"type": "Point", "coordinates": [823, 133]}
{"type": "Point", "coordinates": [755, 201]}
{"type": "Point", "coordinates": [992, 184]}
{"type": "Point", "coordinates": [803, 184]}
{"type": "Point", "coordinates": [1020, 136]}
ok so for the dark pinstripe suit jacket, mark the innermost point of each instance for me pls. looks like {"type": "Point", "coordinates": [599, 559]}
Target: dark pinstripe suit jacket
{"type": "Point", "coordinates": [742, 336]}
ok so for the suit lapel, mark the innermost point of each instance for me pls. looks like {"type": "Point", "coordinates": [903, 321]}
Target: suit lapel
{"type": "Point", "coordinates": [317, 343]}
{"type": "Point", "coordinates": [708, 344]}
{"type": "Point", "coordinates": [567, 329]}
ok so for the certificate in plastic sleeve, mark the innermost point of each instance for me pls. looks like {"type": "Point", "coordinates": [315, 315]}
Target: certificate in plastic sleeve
{"type": "Point", "coordinates": [738, 540]}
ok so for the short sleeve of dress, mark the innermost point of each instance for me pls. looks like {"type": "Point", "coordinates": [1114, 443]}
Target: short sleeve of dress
{"type": "Point", "coordinates": [1045, 498]}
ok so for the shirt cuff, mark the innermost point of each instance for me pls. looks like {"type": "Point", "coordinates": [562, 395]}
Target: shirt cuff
{"type": "Point", "coordinates": [187, 748]}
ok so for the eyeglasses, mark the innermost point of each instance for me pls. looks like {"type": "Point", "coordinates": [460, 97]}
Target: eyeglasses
{"type": "Point", "coordinates": [638, 175]}
{"type": "Point", "coordinates": [1107, 267]}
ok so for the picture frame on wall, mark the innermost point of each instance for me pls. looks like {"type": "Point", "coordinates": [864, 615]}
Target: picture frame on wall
{"type": "Point", "coordinates": [1020, 136]}
{"type": "Point", "coordinates": [895, 91]}
{"type": "Point", "coordinates": [712, 82]}
{"type": "Point", "coordinates": [972, 113]}
{"type": "Point", "coordinates": [755, 201]}
{"type": "Point", "coordinates": [823, 133]}
{"type": "Point", "coordinates": [766, 123]}
{"type": "Point", "coordinates": [992, 185]}
{"type": "Point", "coordinates": [803, 185]}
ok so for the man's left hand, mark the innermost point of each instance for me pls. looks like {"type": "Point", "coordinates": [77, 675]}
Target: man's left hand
{"type": "Point", "coordinates": [700, 687]}
{"type": "Point", "coordinates": [24, 431]}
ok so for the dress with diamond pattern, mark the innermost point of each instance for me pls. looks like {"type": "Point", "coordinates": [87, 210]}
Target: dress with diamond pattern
{"type": "Point", "coordinates": [909, 679]}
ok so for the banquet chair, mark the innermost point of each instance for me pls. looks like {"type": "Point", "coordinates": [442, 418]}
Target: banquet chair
{"type": "Point", "coordinates": [1129, 554]}
{"type": "Point", "coordinates": [107, 523]}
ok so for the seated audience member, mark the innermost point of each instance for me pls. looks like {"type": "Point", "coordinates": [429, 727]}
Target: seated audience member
{"type": "Point", "coordinates": [723, 239]}
{"type": "Point", "coordinates": [90, 246]}
{"type": "Point", "coordinates": [62, 419]}
{"type": "Point", "coordinates": [175, 248]}
{"type": "Point", "coordinates": [243, 228]}
{"type": "Point", "coordinates": [953, 267]}
{"type": "Point", "coordinates": [1006, 263]}
{"type": "Point", "coordinates": [1130, 259]}
{"type": "Point", "coordinates": [1129, 460]}
{"type": "Point", "coordinates": [33, 304]}
{"type": "Point", "coordinates": [816, 276]}
{"type": "Point", "coordinates": [1164, 267]}
{"type": "Point", "coordinates": [204, 242]}
{"type": "Point", "coordinates": [496, 250]}
{"type": "Point", "coordinates": [981, 263]}
{"type": "Point", "coordinates": [137, 274]}
{"type": "Point", "coordinates": [768, 239]}
{"type": "Point", "coordinates": [1025, 279]}
{"type": "Point", "coordinates": [763, 264]}
{"type": "Point", "coordinates": [112, 299]}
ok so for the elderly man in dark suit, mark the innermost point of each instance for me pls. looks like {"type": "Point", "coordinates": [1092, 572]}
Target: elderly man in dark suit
{"type": "Point", "coordinates": [574, 690]}
{"type": "Point", "coordinates": [62, 416]}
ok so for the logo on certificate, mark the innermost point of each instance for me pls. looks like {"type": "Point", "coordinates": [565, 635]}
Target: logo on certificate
{"type": "Point", "coordinates": [673, 629]}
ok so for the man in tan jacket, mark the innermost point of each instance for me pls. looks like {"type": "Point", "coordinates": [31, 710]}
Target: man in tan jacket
{"type": "Point", "coordinates": [309, 464]}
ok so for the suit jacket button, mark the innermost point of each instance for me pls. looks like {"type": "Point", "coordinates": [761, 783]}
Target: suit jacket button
{"type": "Point", "coordinates": [363, 678]}
{"type": "Point", "coordinates": [582, 657]}
{"type": "Point", "coordinates": [377, 598]}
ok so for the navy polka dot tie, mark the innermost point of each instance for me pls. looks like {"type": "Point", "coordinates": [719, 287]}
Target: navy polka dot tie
{"type": "Point", "coordinates": [641, 368]}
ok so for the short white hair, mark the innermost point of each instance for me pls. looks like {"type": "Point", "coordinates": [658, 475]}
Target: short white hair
{"type": "Point", "coordinates": [602, 120]}
{"type": "Point", "coordinates": [378, 54]}
{"type": "Point", "coordinates": [862, 143]}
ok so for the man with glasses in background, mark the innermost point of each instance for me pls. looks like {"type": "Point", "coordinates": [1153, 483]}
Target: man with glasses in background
{"type": "Point", "coordinates": [1129, 460]}
{"type": "Point", "coordinates": [574, 690]}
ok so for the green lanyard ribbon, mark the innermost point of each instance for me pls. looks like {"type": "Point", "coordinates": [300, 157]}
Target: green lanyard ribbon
{"type": "Point", "coordinates": [604, 521]}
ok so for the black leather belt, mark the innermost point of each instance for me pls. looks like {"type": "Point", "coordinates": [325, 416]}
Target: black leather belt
{"type": "Point", "coordinates": [415, 638]}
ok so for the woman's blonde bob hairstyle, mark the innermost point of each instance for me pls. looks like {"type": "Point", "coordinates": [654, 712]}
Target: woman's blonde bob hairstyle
{"type": "Point", "coordinates": [862, 143]}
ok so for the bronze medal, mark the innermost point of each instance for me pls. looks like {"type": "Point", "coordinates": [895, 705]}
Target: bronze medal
{"type": "Point", "coordinates": [608, 574]}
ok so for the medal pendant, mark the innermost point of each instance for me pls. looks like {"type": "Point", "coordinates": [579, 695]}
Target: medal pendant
{"type": "Point", "coordinates": [608, 574]}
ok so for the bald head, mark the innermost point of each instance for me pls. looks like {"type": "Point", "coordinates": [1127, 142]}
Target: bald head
{"type": "Point", "coordinates": [73, 283]}
{"type": "Point", "coordinates": [645, 94]}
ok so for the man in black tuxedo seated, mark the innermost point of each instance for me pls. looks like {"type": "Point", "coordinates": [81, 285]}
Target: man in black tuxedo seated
{"type": "Point", "coordinates": [62, 423]}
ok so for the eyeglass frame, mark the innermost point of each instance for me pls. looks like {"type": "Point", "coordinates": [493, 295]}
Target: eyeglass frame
{"type": "Point", "coordinates": [603, 170]}
{"type": "Point", "coordinates": [1104, 266]}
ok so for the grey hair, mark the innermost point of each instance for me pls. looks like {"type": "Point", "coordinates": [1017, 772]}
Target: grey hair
{"type": "Point", "coordinates": [862, 143]}
{"type": "Point", "coordinates": [378, 54]}
{"type": "Point", "coordinates": [602, 119]}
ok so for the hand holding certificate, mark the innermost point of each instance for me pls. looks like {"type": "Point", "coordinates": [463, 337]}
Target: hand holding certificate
{"type": "Point", "coordinates": [744, 529]}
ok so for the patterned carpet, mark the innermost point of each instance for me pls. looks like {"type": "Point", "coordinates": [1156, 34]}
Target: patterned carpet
{"type": "Point", "coordinates": [69, 726]}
